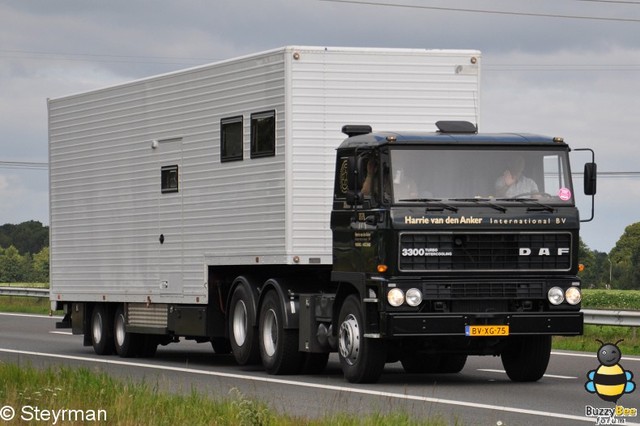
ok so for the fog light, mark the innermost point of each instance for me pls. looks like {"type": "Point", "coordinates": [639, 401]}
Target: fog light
{"type": "Point", "coordinates": [414, 297]}
{"type": "Point", "coordinates": [395, 297]}
{"type": "Point", "coordinates": [555, 295]}
{"type": "Point", "coordinates": [573, 295]}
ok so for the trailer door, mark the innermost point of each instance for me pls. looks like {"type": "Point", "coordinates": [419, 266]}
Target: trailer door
{"type": "Point", "coordinates": [170, 217]}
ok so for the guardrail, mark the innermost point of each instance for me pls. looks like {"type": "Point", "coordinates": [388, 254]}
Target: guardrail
{"type": "Point", "coordinates": [621, 318]}
{"type": "Point", "coordinates": [24, 291]}
{"type": "Point", "coordinates": [591, 316]}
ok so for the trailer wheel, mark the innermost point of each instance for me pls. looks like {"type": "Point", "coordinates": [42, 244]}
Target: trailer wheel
{"type": "Point", "coordinates": [127, 344]}
{"type": "Point", "coordinates": [102, 330]}
{"type": "Point", "coordinates": [362, 359]}
{"type": "Point", "coordinates": [278, 346]}
{"type": "Point", "coordinates": [525, 358]}
{"type": "Point", "coordinates": [243, 335]}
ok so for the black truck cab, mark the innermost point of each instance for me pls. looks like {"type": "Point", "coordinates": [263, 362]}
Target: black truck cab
{"type": "Point", "coordinates": [457, 243]}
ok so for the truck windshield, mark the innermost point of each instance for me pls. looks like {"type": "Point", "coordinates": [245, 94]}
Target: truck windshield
{"type": "Point", "coordinates": [501, 176]}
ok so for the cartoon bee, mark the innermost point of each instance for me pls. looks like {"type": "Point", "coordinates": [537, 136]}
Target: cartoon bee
{"type": "Point", "coordinates": [609, 381]}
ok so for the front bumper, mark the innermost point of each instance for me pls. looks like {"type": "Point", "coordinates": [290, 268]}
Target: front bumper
{"type": "Point", "coordinates": [454, 324]}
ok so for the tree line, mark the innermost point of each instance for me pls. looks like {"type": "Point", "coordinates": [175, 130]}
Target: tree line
{"type": "Point", "coordinates": [618, 269]}
{"type": "Point", "coordinates": [24, 257]}
{"type": "Point", "coordinates": [24, 252]}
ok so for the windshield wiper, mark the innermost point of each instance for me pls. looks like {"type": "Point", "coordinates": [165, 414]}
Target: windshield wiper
{"type": "Point", "coordinates": [538, 204]}
{"type": "Point", "coordinates": [484, 201]}
{"type": "Point", "coordinates": [436, 201]}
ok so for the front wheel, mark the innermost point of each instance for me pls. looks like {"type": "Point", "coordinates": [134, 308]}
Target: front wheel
{"type": "Point", "coordinates": [525, 358]}
{"type": "Point", "coordinates": [362, 359]}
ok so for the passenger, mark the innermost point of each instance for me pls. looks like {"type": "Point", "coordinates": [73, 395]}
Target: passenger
{"type": "Point", "coordinates": [513, 183]}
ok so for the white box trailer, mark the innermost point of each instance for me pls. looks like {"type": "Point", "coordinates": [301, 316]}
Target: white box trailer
{"type": "Point", "coordinates": [154, 181]}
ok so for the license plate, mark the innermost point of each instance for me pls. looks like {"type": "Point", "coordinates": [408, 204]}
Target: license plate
{"type": "Point", "coordinates": [486, 330]}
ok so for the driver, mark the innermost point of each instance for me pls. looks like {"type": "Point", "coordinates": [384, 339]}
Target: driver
{"type": "Point", "coordinates": [513, 183]}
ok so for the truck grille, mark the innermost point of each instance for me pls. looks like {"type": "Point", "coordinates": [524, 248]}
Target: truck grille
{"type": "Point", "coordinates": [484, 290]}
{"type": "Point", "coordinates": [526, 251]}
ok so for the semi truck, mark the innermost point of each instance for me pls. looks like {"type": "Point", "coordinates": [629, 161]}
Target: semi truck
{"type": "Point", "coordinates": [223, 204]}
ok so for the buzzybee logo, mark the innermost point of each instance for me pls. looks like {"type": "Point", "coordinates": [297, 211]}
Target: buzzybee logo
{"type": "Point", "coordinates": [610, 381]}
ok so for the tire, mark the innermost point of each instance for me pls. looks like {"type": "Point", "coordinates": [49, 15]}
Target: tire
{"type": "Point", "coordinates": [243, 336]}
{"type": "Point", "coordinates": [127, 345]}
{"type": "Point", "coordinates": [525, 358]}
{"type": "Point", "coordinates": [278, 346]}
{"type": "Point", "coordinates": [102, 330]}
{"type": "Point", "coordinates": [362, 359]}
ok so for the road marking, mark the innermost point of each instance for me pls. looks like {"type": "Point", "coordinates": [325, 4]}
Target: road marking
{"type": "Point", "coordinates": [13, 314]}
{"type": "Point", "coordinates": [590, 355]}
{"type": "Point", "coordinates": [64, 333]}
{"type": "Point", "coordinates": [310, 385]}
{"type": "Point", "coordinates": [552, 376]}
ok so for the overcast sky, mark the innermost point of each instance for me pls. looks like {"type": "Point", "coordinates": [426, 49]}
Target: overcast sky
{"type": "Point", "coordinates": [566, 68]}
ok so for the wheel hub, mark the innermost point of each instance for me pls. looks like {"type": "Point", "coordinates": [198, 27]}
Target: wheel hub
{"type": "Point", "coordinates": [240, 323]}
{"type": "Point", "coordinates": [349, 340]}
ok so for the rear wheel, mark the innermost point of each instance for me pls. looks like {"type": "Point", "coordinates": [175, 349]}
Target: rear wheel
{"type": "Point", "coordinates": [525, 358]}
{"type": "Point", "coordinates": [362, 359]}
{"type": "Point", "coordinates": [102, 330]}
{"type": "Point", "coordinates": [243, 335]}
{"type": "Point", "coordinates": [278, 346]}
{"type": "Point", "coordinates": [126, 344]}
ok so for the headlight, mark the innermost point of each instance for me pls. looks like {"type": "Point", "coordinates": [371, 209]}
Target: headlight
{"type": "Point", "coordinates": [555, 295]}
{"type": "Point", "coordinates": [395, 297]}
{"type": "Point", "coordinates": [414, 297]}
{"type": "Point", "coordinates": [573, 295]}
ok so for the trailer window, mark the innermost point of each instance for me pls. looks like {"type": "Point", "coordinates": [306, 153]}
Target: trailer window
{"type": "Point", "coordinates": [231, 139]}
{"type": "Point", "coordinates": [169, 179]}
{"type": "Point", "coordinates": [263, 134]}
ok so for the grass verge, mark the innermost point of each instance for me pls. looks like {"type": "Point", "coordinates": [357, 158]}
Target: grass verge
{"type": "Point", "coordinates": [82, 392]}
{"type": "Point", "coordinates": [23, 304]}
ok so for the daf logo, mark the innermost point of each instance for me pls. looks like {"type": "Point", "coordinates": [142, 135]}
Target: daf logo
{"type": "Point", "coordinates": [543, 251]}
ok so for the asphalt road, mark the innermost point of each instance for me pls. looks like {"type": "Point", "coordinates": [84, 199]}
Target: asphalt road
{"type": "Point", "coordinates": [480, 395]}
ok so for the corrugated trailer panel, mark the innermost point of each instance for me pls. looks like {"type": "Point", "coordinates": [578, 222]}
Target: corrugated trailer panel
{"type": "Point", "coordinates": [107, 209]}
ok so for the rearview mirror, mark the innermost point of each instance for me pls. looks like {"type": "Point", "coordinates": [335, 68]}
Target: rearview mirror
{"type": "Point", "coordinates": [590, 178]}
